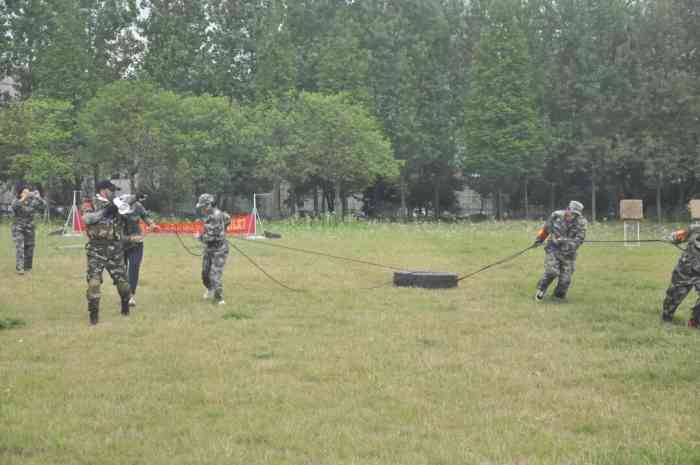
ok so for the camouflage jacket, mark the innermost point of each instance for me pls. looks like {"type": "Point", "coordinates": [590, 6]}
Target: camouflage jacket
{"type": "Point", "coordinates": [691, 235]}
{"type": "Point", "coordinates": [215, 225]}
{"type": "Point", "coordinates": [566, 232]}
{"type": "Point", "coordinates": [24, 209]}
{"type": "Point", "coordinates": [102, 222]}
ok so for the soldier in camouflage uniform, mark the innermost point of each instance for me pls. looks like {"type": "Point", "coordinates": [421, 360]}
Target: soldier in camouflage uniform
{"type": "Point", "coordinates": [23, 232]}
{"type": "Point", "coordinates": [685, 277]}
{"type": "Point", "coordinates": [566, 230]}
{"type": "Point", "coordinates": [104, 226]}
{"type": "Point", "coordinates": [216, 247]}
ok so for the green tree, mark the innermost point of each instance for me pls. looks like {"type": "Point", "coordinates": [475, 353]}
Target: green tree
{"type": "Point", "coordinates": [159, 138]}
{"type": "Point", "coordinates": [343, 62]}
{"type": "Point", "coordinates": [66, 49]}
{"type": "Point", "coordinates": [275, 56]}
{"type": "Point", "coordinates": [37, 143]}
{"type": "Point", "coordinates": [177, 56]}
{"type": "Point", "coordinates": [503, 133]}
{"type": "Point", "coordinates": [343, 142]}
{"type": "Point", "coordinates": [320, 141]}
{"type": "Point", "coordinates": [116, 129]}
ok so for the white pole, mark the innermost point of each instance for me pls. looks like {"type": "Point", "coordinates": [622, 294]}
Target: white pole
{"type": "Point", "coordinates": [255, 216]}
{"type": "Point", "coordinates": [69, 226]}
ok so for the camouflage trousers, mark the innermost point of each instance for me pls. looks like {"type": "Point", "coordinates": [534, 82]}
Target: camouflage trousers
{"type": "Point", "coordinates": [213, 262]}
{"type": "Point", "coordinates": [24, 236]}
{"type": "Point", "coordinates": [557, 265]}
{"type": "Point", "coordinates": [685, 277]}
{"type": "Point", "coordinates": [106, 255]}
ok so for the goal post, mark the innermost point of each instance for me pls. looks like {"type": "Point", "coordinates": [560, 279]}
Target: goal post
{"type": "Point", "coordinates": [74, 223]}
{"type": "Point", "coordinates": [259, 200]}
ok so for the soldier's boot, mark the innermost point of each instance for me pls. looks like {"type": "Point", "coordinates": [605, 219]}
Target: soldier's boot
{"type": "Point", "coordinates": [561, 289]}
{"type": "Point", "coordinates": [94, 310]}
{"type": "Point", "coordinates": [125, 306]}
{"type": "Point", "coordinates": [539, 295]}
{"type": "Point", "coordinates": [219, 297]}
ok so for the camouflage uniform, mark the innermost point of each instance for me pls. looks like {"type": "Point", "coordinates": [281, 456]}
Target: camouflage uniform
{"type": "Point", "coordinates": [23, 231]}
{"type": "Point", "coordinates": [215, 251]}
{"type": "Point", "coordinates": [685, 276]}
{"type": "Point", "coordinates": [566, 230]}
{"type": "Point", "coordinates": [104, 228]}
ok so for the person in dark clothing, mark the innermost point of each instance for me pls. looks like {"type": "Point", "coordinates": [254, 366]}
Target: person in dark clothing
{"type": "Point", "coordinates": [133, 240]}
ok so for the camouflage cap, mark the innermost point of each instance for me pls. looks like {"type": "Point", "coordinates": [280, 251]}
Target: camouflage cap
{"type": "Point", "coordinates": [205, 200]}
{"type": "Point", "coordinates": [576, 207]}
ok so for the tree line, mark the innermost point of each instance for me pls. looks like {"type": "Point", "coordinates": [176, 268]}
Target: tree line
{"type": "Point", "coordinates": [528, 102]}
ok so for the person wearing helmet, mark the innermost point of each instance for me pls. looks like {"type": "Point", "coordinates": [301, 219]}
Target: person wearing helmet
{"type": "Point", "coordinates": [104, 226]}
{"type": "Point", "coordinates": [24, 207]}
{"type": "Point", "coordinates": [685, 276]}
{"type": "Point", "coordinates": [216, 248]}
{"type": "Point", "coordinates": [565, 231]}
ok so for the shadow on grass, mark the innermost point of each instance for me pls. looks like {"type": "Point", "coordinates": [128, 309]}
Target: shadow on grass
{"type": "Point", "coordinates": [10, 323]}
{"type": "Point", "coordinates": [236, 316]}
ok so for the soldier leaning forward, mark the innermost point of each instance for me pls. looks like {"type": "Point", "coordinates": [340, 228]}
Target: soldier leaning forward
{"type": "Point", "coordinates": [566, 230]}
{"type": "Point", "coordinates": [216, 247]}
{"type": "Point", "coordinates": [685, 276]}
{"type": "Point", "coordinates": [23, 231]}
{"type": "Point", "coordinates": [104, 226]}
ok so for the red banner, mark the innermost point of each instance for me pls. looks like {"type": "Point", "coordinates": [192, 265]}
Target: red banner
{"type": "Point", "coordinates": [240, 225]}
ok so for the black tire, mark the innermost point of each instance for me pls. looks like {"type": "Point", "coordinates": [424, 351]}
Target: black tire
{"type": "Point", "coordinates": [426, 279]}
{"type": "Point", "coordinates": [403, 279]}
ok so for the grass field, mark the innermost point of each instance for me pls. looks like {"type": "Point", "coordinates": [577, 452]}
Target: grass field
{"type": "Point", "coordinates": [343, 374]}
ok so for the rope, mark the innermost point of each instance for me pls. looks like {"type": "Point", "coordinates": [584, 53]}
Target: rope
{"type": "Point", "coordinates": [272, 278]}
{"type": "Point", "coordinates": [262, 270]}
{"type": "Point", "coordinates": [184, 246]}
{"type": "Point", "coordinates": [637, 241]}
{"type": "Point", "coordinates": [504, 260]}
{"type": "Point", "coordinates": [620, 242]}
{"type": "Point", "coordinates": [322, 254]}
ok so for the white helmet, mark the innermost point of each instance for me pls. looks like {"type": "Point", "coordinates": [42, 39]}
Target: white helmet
{"type": "Point", "coordinates": [205, 200]}
{"type": "Point", "coordinates": [576, 207]}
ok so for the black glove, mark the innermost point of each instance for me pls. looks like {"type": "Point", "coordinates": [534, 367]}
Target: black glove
{"type": "Point", "coordinates": [538, 242]}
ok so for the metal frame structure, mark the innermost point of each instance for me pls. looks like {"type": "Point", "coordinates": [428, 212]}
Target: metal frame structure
{"type": "Point", "coordinates": [69, 225]}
